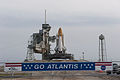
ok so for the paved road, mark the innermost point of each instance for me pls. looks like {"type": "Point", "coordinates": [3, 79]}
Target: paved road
{"type": "Point", "coordinates": [64, 75]}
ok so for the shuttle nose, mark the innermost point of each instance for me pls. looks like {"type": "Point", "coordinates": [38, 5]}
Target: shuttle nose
{"type": "Point", "coordinates": [60, 32]}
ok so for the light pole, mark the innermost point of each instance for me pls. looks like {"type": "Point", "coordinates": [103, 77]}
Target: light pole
{"type": "Point", "coordinates": [83, 55]}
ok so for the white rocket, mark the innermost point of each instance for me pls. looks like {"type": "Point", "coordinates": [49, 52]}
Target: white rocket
{"type": "Point", "coordinates": [60, 42]}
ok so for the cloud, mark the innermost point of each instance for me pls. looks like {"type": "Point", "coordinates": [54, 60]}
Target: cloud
{"type": "Point", "coordinates": [82, 21]}
{"type": "Point", "coordinates": [29, 13]}
{"type": "Point", "coordinates": [73, 20]}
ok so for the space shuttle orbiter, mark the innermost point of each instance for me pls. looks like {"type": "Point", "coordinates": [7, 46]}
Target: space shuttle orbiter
{"type": "Point", "coordinates": [60, 42]}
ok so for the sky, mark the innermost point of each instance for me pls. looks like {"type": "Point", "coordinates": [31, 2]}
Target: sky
{"type": "Point", "coordinates": [82, 21]}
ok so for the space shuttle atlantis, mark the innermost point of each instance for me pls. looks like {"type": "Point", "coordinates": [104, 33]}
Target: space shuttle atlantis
{"type": "Point", "coordinates": [60, 42]}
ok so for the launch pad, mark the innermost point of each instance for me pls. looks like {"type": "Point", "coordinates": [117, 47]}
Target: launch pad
{"type": "Point", "coordinates": [40, 43]}
{"type": "Point", "coordinates": [57, 56]}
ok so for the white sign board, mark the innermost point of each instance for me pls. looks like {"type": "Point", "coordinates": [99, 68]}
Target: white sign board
{"type": "Point", "coordinates": [12, 67]}
{"type": "Point", "coordinates": [103, 66]}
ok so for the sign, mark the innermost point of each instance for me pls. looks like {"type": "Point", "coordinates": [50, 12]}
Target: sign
{"type": "Point", "coordinates": [13, 67]}
{"type": "Point", "coordinates": [58, 66]}
{"type": "Point", "coordinates": [103, 66]}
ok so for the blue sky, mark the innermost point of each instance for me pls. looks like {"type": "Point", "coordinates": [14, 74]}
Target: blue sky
{"type": "Point", "coordinates": [82, 22]}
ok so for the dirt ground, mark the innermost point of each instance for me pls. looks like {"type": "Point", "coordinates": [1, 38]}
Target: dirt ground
{"type": "Point", "coordinates": [60, 75]}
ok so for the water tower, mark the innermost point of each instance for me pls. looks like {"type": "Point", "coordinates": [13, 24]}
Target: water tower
{"type": "Point", "coordinates": [102, 49]}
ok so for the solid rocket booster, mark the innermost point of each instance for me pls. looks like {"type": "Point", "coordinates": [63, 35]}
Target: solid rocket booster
{"type": "Point", "coordinates": [60, 42]}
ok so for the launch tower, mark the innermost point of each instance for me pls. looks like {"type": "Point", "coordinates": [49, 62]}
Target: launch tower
{"type": "Point", "coordinates": [40, 44]}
